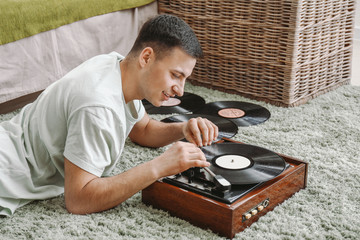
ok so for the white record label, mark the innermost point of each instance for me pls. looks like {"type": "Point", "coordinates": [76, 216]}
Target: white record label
{"type": "Point", "coordinates": [233, 162]}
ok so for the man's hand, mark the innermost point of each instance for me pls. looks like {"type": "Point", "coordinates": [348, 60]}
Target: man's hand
{"type": "Point", "coordinates": [200, 131]}
{"type": "Point", "coordinates": [152, 133]}
{"type": "Point", "coordinates": [178, 158]}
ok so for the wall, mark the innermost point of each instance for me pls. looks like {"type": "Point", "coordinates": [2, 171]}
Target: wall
{"type": "Point", "coordinates": [357, 21]}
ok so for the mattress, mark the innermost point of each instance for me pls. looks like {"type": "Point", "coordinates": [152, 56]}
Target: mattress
{"type": "Point", "coordinates": [31, 64]}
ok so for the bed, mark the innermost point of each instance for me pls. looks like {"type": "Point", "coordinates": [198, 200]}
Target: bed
{"type": "Point", "coordinates": [41, 40]}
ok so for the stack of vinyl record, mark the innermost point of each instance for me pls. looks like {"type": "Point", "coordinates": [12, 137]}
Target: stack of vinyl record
{"type": "Point", "coordinates": [185, 104]}
{"type": "Point", "coordinates": [222, 113]}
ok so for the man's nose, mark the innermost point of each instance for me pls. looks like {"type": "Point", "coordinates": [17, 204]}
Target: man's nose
{"type": "Point", "coordinates": [179, 90]}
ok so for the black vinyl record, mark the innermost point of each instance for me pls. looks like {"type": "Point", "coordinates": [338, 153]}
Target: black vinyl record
{"type": "Point", "coordinates": [242, 113]}
{"type": "Point", "coordinates": [185, 104]}
{"type": "Point", "coordinates": [227, 128]}
{"type": "Point", "coordinates": [243, 163]}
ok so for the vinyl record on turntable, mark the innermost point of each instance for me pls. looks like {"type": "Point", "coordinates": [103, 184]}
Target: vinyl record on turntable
{"type": "Point", "coordinates": [227, 128]}
{"type": "Point", "coordinates": [187, 103]}
{"type": "Point", "coordinates": [242, 113]}
{"type": "Point", "coordinates": [243, 163]}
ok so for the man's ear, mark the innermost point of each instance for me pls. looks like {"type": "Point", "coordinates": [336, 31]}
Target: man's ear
{"type": "Point", "coordinates": [146, 55]}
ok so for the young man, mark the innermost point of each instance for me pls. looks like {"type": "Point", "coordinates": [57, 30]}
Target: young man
{"type": "Point", "coordinates": [70, 138]}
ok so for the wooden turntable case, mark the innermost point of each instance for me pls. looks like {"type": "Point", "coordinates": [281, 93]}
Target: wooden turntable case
{"type": "Point", "coordinates": [228, 219]}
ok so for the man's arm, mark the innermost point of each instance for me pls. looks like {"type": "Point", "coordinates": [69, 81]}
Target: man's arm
{"type": "Point", "coordinates": [87, 193]}
{"type": "Point", "coordinates": [152, 133]}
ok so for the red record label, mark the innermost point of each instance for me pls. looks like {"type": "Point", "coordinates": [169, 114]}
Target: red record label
{"type": "Point", "coordinates": [231, 113]}
{"type": "Point", "coordinates": [171, 102]}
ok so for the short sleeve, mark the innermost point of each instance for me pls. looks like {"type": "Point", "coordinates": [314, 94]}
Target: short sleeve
{"type": "Point", "coordinates": [95, 139]}
{"type": "Point", "coordinates": [139, 108]}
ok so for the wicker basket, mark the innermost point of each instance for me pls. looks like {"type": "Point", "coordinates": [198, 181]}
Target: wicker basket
{"type": "Point", "coordinates": [284, 52]}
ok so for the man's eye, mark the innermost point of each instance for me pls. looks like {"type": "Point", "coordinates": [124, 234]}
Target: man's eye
{"type": "Point", "coordinates": [176, 75]}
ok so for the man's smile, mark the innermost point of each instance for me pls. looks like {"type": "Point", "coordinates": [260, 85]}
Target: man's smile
{"type": "Point", "coordinates": [167, 96]}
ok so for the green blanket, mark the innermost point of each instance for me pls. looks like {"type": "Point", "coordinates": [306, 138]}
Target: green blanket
{"type": "Point", "coordinates": [24, 18]}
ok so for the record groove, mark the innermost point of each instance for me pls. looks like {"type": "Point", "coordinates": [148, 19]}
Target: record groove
{"type": "Point", "coordinates": [187, 103]}
{"type": "Point", "coordinates": [241, 113]}
{"type": "Point", "coordinates": [227, 128]}
{"type": "Point", "coordinates": [265, 164]}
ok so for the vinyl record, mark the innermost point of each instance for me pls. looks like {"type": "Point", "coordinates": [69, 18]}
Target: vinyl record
{"type": "Point", "coordinates": [227, 128]}
{"type": "Point", "coordinates": [187, 103]}
{"type": "Point", "coordinates": [242, 113]}
{"type": "Point", "coordinates": [243, 163]}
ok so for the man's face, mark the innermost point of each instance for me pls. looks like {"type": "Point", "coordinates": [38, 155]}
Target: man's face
{"type": "Point", "coordinates": [166, 77]}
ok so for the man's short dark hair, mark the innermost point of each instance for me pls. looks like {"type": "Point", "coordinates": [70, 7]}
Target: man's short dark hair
{"type": "Point", "coordinates": [163, 33]}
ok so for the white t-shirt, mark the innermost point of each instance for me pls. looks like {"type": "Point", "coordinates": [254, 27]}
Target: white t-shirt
{"type": "Point", "coordinates": [82, 116]}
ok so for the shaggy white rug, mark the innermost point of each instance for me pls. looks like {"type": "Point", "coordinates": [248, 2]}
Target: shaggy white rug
{"type": "Point", "coordinates": [324, 132]}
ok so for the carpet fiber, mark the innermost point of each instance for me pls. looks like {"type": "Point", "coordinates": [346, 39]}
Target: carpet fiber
{"type": "Point", "coordinates": [324, 132]}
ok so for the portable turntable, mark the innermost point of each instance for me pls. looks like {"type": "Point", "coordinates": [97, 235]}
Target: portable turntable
{"type": "Point", "coordinates": [243, 183]}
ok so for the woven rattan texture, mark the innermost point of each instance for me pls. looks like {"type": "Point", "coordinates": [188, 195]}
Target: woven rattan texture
{"type": "Point", "coordinates": [284, 52]}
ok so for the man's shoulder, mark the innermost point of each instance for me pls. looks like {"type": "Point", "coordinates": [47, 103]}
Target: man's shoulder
{"type": "Point", "coordinates": [104, 58]}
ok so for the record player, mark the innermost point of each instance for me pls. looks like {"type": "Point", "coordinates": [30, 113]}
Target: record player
{"type": "Point", "coordinates": [243, 183]}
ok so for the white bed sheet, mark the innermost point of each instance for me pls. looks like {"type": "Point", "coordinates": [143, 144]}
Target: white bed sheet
{"type": "Point", "coordinates": [31, 64]}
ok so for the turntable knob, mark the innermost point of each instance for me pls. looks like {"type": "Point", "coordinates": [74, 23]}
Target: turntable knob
{"type": "Point", "coordinates": [254, 212]}
{"type": "Point", "coordinates": [248, 216]}
{"type": "Point", "coordinates": [260, 208]}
